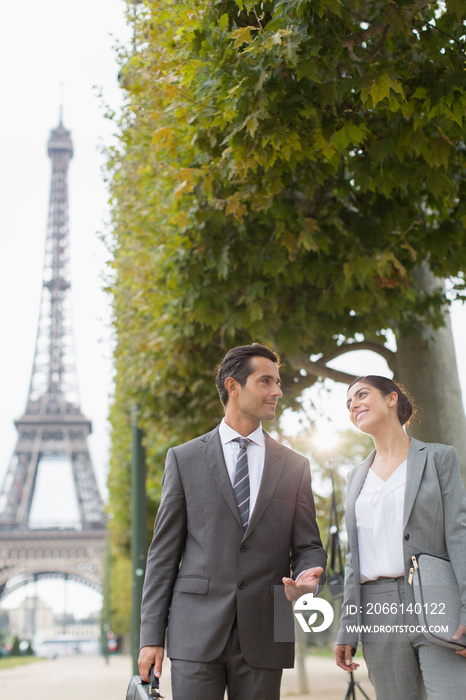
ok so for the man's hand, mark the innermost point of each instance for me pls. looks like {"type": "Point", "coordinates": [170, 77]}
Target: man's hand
{"type": "Point", "coordinates": [149, 656]}
{"type": "Point", "coordinates": [344, 657]}
{"type": "Point", "coordinates": [459, 633]}
{"type": "Point", "coordinates": [307, 582]}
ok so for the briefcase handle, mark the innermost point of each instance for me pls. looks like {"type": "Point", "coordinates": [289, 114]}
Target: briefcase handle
{"type": "Point", "coordinates": [154, 685]}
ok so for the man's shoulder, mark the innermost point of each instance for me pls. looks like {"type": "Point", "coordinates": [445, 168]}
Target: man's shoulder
{"type": "Point", "coordinates": [272, 444]}
{"type": "Point", "coordinates": [196, 442]}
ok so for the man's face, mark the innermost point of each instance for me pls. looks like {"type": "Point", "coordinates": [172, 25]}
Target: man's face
{"type": "Point", "coordinates": [257, 399]}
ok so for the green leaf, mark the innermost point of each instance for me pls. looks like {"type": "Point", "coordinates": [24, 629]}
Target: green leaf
{"type": "Point", "coordinates": [309, 69]}
{"type": "Point", "coordinates": [350, 134]}
{"type": "Point", "coordinates": [380, 89]}
{"type": "Point", "coordinates": [440, 151]}
{"type": "Point", "coordinates": [457, 7]}
{"type": "Point", "coordinates": [241, 36]}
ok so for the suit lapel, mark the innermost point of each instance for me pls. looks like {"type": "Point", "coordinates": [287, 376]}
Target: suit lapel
{"type": "Point", "coordinates": [273, 468]}
{"type": "Point", "coordinates": [354, 490]}
{"type": "Point", "coordinates": [211, 447]}
{"type": "Point", "coordinates": [417, 457]}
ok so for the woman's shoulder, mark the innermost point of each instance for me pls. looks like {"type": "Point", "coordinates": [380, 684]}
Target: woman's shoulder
{"type": "Point", "coordinates": [443, 458]}
{"type": "Point", "coordinates": [362, 466]}
{"type": "Point", "coordinates": [434, 448]}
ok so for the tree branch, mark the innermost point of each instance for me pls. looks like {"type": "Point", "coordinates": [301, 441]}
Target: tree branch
{"type": "Point", "coordinates": [357, 40]}
{"type": "Point", "coordinates": [381, 27]}
{"type": "Point", "coordinates": [420, 25]}
{"type": "Point", "coordinates": [319, 368]}
{"type": "Point", "coordinates": [372, 345]}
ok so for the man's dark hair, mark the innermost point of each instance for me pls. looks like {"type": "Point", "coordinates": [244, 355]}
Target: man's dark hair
{"type": "Point", "coordinates": [237, 364]}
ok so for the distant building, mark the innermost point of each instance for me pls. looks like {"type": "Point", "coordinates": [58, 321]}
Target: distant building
{"type": "Point", "coordinates": [52, 635]}
{"type": "Point", "coordinates": [31, 615]}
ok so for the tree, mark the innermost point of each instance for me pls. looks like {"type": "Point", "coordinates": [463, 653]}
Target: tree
{"type": "Point", "coordinates": [290, 172]}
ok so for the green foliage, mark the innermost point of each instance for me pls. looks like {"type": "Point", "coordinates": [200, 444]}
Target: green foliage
{"type": "Point", "coordinates": [15, 650]}
{"type": "Point", "coordinates": [121, 595]}
{"type": "Point", "coordinates": [14, 661]}
{"type": "Point", "coordinates": [282, 167]}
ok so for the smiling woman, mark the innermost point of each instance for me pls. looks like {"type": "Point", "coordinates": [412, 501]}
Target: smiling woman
{"type": "Point", "coordinates": [406, 498]}
{"type": "Point", "coordinates": [366, 390]}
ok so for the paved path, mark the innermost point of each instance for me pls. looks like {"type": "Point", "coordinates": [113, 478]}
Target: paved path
{"type": "Point", "coordinates": [90, 678]}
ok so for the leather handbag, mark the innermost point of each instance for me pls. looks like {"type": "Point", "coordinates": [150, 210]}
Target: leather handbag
{"type": "Point", "coordinates": [141, 690]}
{"type": "Point", "coordinates": [437, 599]}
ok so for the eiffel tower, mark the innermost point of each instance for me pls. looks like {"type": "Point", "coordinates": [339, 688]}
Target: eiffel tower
{"type": "Point", "coordinates": [53, 432]}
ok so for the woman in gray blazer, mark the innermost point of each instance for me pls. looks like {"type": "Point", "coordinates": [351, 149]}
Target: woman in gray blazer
{"type": "Point", "coordinates": [406, 498]}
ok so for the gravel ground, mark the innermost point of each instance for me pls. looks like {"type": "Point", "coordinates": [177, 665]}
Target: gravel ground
{"type": "Point", "coordinates": [91, 678]}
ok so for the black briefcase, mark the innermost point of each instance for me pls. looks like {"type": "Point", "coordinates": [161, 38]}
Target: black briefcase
{"type": "Point", "coordinates": [140, 690]}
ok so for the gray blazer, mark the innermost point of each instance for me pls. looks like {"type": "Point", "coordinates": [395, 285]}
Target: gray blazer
{"type": "Point", "coordinates": [434, 521]}
{"type": "Point", "coordinates": [203, 570]}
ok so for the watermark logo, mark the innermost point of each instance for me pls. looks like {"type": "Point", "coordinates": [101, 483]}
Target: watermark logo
{"type": "Point", "coordinates": [308, 604]}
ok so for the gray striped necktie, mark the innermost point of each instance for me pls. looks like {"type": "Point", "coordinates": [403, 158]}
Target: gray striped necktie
{"type": "Point", "coordinates": [241, 480]}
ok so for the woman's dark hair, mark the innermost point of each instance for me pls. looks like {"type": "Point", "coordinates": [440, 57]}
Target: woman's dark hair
{"type": "Point", "coordinates": [237, 364]}
{"type": "Point", "coordinates": [406, 407]}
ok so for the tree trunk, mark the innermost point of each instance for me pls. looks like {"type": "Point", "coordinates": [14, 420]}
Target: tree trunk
{"type": "Point", "coordinates": [426, 366]}
{"type": "Point", "coordinates": [301, 652]}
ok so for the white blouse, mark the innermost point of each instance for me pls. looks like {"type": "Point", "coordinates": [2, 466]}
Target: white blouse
{"type": "Point", "coordinates": [379, 521]}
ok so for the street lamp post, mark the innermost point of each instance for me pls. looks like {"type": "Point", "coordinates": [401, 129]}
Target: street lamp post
{"type": "Point", "coordinates": [139, 531]}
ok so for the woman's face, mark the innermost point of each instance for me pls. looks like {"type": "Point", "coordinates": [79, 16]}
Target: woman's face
{"type": "Point", "coordinates": [369, 409]}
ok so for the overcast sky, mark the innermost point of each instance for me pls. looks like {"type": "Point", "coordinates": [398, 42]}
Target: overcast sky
{"type": "Point", "coordinates": [43, 45]}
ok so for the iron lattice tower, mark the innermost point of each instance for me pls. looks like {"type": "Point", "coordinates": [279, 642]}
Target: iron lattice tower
{"type": "Point", "coordinates": [53, 426]}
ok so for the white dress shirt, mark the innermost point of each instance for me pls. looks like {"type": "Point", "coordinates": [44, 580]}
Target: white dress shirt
{"type": "Point", "coordinates": [256, 457]}
{"type": "Point", "coordinates": [379, 521]}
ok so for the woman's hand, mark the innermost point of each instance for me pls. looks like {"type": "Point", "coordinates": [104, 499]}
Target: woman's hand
{"type": "Point", "coordinates": [344, 657]}
{"type": "Point", "coordinates": [459, 633]}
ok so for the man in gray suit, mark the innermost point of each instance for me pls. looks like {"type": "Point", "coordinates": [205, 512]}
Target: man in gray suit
{"type": "Point", "coordinates": [236, 519]}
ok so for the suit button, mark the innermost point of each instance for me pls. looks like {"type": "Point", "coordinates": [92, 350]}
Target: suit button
{"type": "Point", "coordinates": [406, 537]}
{"type": "Point", "coordinates": [241, 585]}
{"type": "Point", "coordinates": [243, 548]}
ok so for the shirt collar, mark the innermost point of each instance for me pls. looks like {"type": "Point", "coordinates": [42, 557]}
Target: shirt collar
{"type": "Point", "coordinates": [227, 434]}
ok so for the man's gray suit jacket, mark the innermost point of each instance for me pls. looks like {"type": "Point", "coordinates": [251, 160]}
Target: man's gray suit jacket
{"type": "Point", "coordinates": [434, 522]}
{"type": "Point", "coordinates": [203, 570]}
